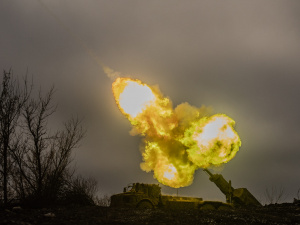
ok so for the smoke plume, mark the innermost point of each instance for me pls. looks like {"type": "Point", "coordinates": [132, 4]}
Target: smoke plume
{"type": "Point", "coordinates": [176, 142]}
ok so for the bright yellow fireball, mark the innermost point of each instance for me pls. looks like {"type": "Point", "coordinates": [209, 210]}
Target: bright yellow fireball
{"type": "Point", "coordinates": [212, 141]}
{"type": "Point", "coordinates": [132, 96]}
{"type": "Point", "coordinates": [170, 172]}
{"type": "Point", "coordinates": [176, 142]}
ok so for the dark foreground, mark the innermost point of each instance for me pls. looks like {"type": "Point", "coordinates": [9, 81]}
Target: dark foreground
{"type": "Point", "coordinates": [273, 214]}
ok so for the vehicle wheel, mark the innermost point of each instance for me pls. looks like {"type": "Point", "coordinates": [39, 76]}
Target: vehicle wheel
{"type": "Point", "coordinates": [145, 205]}
{"type": "Point", "coordinates": [207, 207]}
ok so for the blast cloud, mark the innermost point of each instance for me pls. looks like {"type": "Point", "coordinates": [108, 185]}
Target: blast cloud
{"type": "Point", "coordinates": [178, 141]}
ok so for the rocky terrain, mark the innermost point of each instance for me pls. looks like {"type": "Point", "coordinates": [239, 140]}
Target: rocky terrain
{"type": "Point", "coordinates": [286, 213]}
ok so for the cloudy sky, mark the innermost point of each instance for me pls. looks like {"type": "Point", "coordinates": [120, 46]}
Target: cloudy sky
{"type": "Point", "coordinates": [239, 57]}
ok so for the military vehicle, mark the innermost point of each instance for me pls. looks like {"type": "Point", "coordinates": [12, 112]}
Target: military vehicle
{"type": "Point", "coordinates": [148, 196]}
{"type": "Point", "coordinates": [237, 197]}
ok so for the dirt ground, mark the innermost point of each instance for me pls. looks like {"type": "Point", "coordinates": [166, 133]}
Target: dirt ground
{"type": "Point", "coordinates": [286, 213]}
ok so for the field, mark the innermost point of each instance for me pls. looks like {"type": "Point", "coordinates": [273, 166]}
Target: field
{"type": "Point", "coordinates": [286, 213]}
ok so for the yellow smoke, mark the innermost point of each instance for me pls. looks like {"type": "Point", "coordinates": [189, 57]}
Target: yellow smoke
{"type": "Point", "coordinates": [176, 141]}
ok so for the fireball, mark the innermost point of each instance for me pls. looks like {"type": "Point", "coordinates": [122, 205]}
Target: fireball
{"type": "Point", "coordinates": [176, 141]}
{"type": "Point", "coordinates": [149, 113]}
{"type": "Point", "coordinates": [170, 172]}
{"type": "Point", "coordinates": [212, 141]}
{"type": "Point", "coordinates": [132, 96]}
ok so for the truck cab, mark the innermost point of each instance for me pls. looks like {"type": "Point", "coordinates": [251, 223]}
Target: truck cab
{"type": "Point", "coordinates": [138, 195]}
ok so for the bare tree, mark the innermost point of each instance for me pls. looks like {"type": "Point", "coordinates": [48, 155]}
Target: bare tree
{"type": "Point", "coordinates": [65, 141]}
{"type": "Point", "coordinates": [80, 190]}
{"type": "Point", "coordinates": [297, 199]}
{"type": "Point", "coordinates": [39, 150]}
{"type": "Point", "coordinates": [34, 162]}
{"type": "Point", "coordinates": [12, 99]}
{"type": "Point", "coordinates": [274, 195]}
{"type": "Point", "coordinates": [42, 158]}
{"type": "Point", "coordinates": [103, 201]}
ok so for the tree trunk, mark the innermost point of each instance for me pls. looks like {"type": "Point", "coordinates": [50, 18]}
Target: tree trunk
{"type": "Point", "coordinates": [5, 175]}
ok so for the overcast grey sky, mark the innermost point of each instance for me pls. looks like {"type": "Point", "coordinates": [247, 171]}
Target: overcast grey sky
{"type": "Point", "coordinates": [239, 57]}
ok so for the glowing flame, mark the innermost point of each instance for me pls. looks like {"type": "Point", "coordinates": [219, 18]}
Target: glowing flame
{"type": "Point", "coordinates": [170, 172]}
{"type": "Point", "coordinates": [212, 141]}
{"type": "Point", "coordinates": [132, 96]}
{"type": "Point", "coordinates": [177, 141]}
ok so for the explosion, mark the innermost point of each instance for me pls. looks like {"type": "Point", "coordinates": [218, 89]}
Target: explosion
{"type": "Point", "coordinates": [133, 96]}
{"type": "Point", "coordinates": [176, 141]}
